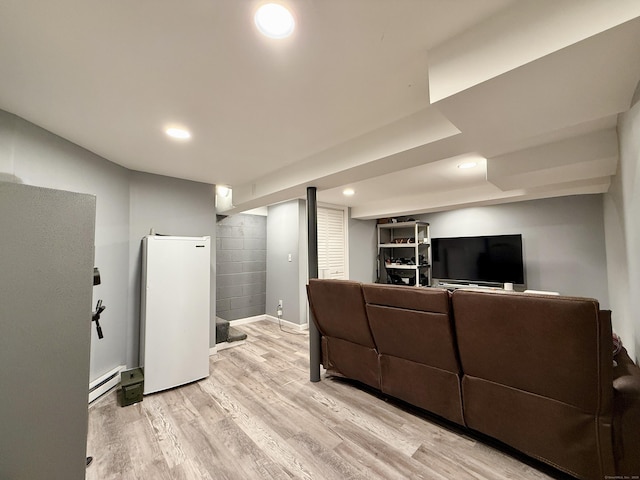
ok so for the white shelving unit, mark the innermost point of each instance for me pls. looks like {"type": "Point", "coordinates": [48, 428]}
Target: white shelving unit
{"type": "Point", "coordinates": [404, 253]}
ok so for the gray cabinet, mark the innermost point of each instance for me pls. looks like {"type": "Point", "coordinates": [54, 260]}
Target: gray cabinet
{"type": "Point", "coordinates": [404, 253]}
{"type": "Point", "coordinates": [46, 286]}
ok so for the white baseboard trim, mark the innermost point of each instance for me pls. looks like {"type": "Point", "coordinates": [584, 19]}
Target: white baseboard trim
{"type": "Point", "coordinates": [104, 383]}
{"type": "Point", "coordinates": [247, 320]}
{"type": "Point", "coordinates": [244, 321]}
{"type": "Point", "coordinates": [296, 326]}
{"type": "Point", "coordinates": [232, 323]}
{"type": "Point", "coordinates": [257, 318]}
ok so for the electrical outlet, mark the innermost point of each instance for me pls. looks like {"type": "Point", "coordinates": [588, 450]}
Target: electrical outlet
{"type": "Point", "coordinates": [280, 304]}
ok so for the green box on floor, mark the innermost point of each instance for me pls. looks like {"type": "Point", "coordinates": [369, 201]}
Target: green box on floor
{"type": "Point", "coordinates": [132, 383]}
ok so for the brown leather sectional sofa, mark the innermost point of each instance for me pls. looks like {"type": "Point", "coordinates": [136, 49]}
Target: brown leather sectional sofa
{"type": "Point", "coordinates": [533, 371]}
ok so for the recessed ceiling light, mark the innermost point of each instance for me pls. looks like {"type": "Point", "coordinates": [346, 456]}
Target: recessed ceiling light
{"type": "Point", "coordinates": [179, 133]}
{"type": "Point", "coordinates": [274, 20]}
{"type": "Point", "coordinates": [348, 192]}
{"type": "Point", "coordinates": [465, 165]}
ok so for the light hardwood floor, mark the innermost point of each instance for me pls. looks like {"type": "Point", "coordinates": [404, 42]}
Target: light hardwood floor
{"type": "Point", "coordinates": [257, 416]}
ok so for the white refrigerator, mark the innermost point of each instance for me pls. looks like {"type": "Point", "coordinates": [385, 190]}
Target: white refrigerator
{"type": "Point", "coordinates": [175, 310]}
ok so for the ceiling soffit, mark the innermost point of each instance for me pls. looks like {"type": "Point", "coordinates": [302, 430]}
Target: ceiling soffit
{"type": "Point", "coordinates": [516, 36]}
{"type": "Point", "coordinates": [578, 158]}
{"type": "Point", "coordinates": [521, 112]}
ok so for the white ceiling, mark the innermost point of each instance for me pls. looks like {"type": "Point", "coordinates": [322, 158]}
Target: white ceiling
{"type": "Point", "coordinates": [384, 96]}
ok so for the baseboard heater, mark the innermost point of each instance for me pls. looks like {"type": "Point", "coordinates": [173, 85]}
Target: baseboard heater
{"type": "Point", "coordinates": [105, 383]}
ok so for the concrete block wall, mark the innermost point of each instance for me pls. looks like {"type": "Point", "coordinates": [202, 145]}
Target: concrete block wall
{"type": "Point", "coordinates": [241, 265]}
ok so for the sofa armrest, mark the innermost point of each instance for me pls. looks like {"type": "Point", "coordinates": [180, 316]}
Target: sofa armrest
{"type": "Point", "coordinates": [626, 415]}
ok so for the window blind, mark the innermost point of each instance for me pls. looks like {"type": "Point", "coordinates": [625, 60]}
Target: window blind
{"type": "Point", "coordinates": [331, 243]}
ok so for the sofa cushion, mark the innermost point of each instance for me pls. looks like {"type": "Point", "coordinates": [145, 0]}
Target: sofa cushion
{"type": "Point", "coordinates": [353, 361]}
{"type": "Point", "coordinates": [339, 311]}
{"type": "Point", "coordinates": [538, 374]}
{"type": "Point", "coordinates": [626, 415]}
{"type": "Point", "coordinates": [413, 330]}
{"type": "Point", "coordinates": [412, 323]}
{"type": "Point", "coordinates": [435, 300]}
{"type": "Point", "coordinates": [435, 390]}
{"type": "Point", "coordinates": [557, 347]}
{"type": "Point", "coordinates": [347, 344]}
{"type": "Point", "coordinates": [559, 434]}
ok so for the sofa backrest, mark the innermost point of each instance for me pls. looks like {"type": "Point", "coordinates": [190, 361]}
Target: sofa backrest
{"type": "Point", "coordinates": [347, 344]}
{"type": "Point", "coordinates": [339, 310]}
{"type": "Point", "coordinates": [538, 374]}
{"type": "Point", "coordinates": [555, 347]}
{"type": "Point", "coordinates": [413, 323]}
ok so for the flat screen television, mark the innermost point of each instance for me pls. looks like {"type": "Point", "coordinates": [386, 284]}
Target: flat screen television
{"type": "Point", "coordinates": [486, 259]}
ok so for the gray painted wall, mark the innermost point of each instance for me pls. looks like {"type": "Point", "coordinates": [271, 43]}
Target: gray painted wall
{"type": "Point", "coordinates": [622, 204]}
{"type": "Point", "coordinates": [46, 283]}
{"type": "Point", "coordinates": [303, 264]}
{"type": "Point", "coordinates": [241, 250]}
{"type": "Point", "coordinates": [284, 278]}
{"type": "Point", "coordinates": [363, 250]}
{"type": "Point", "coordinates": [287, 233]}
{"type": "Point", "coordinates": [172, 207]}
{"type": "Point", "coordinates": [563, 240]}
{"type": "Point", "coordinates": [34, 156]}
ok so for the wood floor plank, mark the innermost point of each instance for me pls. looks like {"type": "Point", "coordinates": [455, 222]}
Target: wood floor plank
{"type": "Point", "coordinates": [257, 416]}
{"type": "Point", "coordinates": [326, 463]}
{"type": "Point", "coordinates": [143, 444]}
{"type": "Point", "coordinates": [185, 404]}
{"type": "Point", "coordinates": [346, 411]}
{"type": "Point", "coordinates": [377, 457]}
{"type": "Point", "coordinates": [188, 470]}
{"type": "Point", "coordinates": [208, 450]}
{"type": "Point", "coordinates": [284, 417]}
{"type": "Point", "coordinates": [264, 436]}
{"type": "Point", "coordinates": [164, 431]}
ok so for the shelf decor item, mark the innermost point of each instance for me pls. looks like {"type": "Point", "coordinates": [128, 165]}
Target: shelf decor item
{"type": "Point", "coordinates": [404, 253]}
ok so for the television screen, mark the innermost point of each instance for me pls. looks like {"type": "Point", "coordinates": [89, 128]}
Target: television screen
{"type": "Point", "coordinates": [490, 259]}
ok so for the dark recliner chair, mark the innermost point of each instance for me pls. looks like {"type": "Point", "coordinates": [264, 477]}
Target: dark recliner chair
{"type": "Point", "coordinates": [348, 348]}
{"type": "Point", "coordinates": [533, 371]}
{"type": "Point", "coordinates": [539, 376]}
{"type": "Point", "coordinates": [413, 331]}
